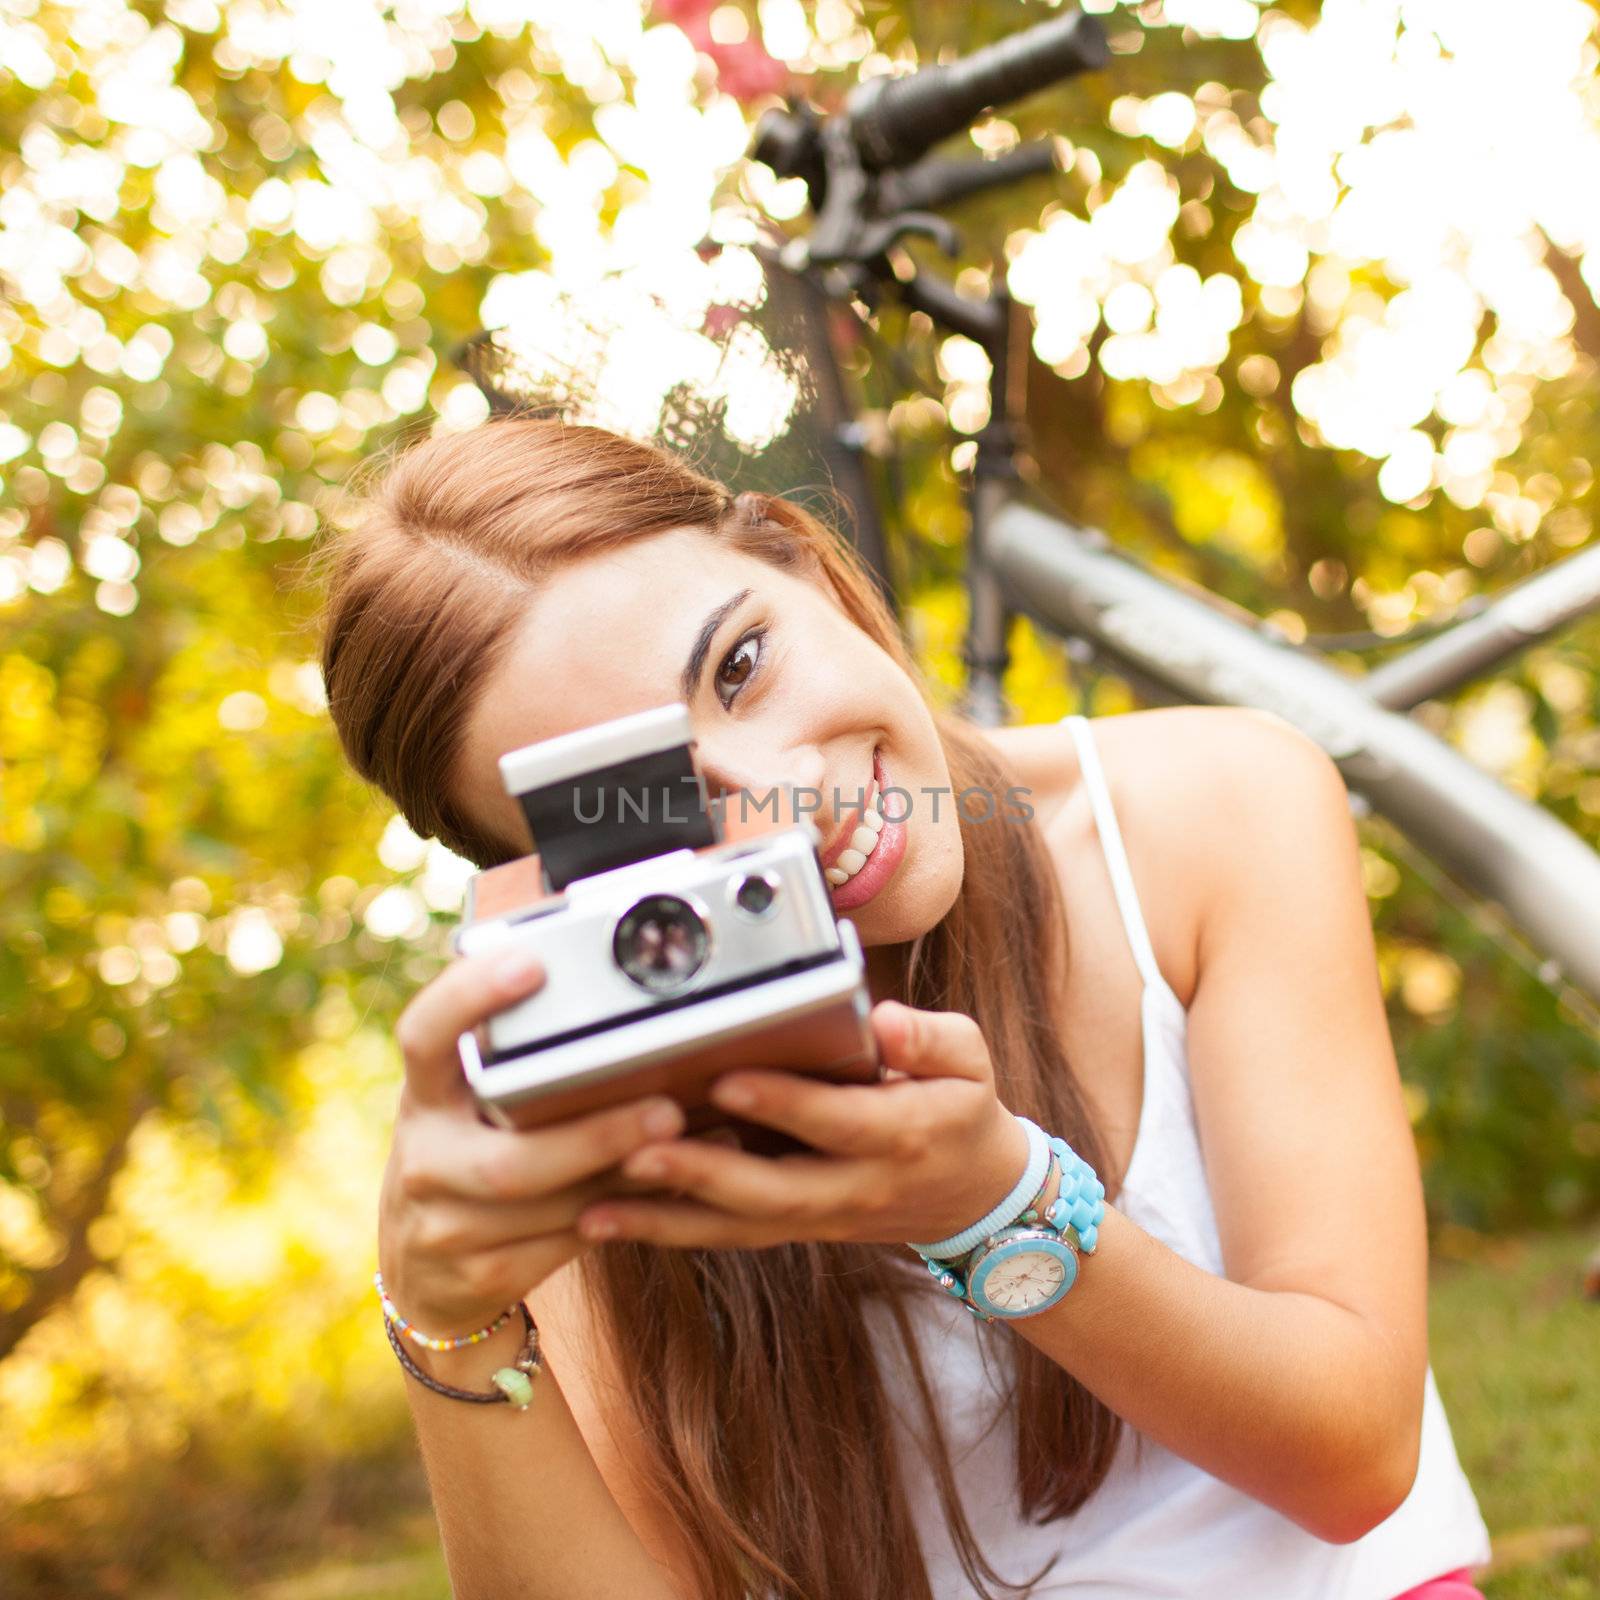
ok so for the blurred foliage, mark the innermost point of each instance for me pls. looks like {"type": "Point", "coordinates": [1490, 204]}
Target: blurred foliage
{"type": "Point", "coordinates": [238, 244]}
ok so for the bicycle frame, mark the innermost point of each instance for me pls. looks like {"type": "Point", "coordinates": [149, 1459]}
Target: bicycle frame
{"type": "Point", "coordinates": [1179, 648]}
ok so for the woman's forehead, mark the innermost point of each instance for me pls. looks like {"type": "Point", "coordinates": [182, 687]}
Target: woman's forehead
{"type": "Point", "coordinates": [637, 607]}
{"type": "Point", "coordinates": [604, 637]}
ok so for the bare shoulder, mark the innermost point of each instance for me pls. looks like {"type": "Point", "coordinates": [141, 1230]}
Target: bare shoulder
{"type": "Point", "coordinates": [1213, 750]}
{"type": "Point", "coordinates": [1161, 764]}
{"type": "Point", "coordinates": [584, 1366]}
{"type": "Point", "coordinates": [1200, 794]}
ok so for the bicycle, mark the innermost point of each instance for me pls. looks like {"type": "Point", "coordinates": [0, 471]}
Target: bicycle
{"type": "Point", "coordinates": [871, 183]}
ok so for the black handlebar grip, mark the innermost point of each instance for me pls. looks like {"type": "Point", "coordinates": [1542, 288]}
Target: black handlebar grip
{"type": "Point", "coordinates": [894, 120]}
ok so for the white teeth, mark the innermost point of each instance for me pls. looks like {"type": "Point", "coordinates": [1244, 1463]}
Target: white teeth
{"type": "Point", "coordinates": [854, 856]}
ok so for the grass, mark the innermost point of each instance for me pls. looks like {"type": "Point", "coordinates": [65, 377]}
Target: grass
{"type": "Point", "coordinates": [1514, 1351]}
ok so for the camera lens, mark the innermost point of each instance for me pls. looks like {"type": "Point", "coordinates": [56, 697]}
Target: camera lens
{"type": "Point", "coordinates": [661, 943]}
{"type": "Point", "coordinates": [755, 895]}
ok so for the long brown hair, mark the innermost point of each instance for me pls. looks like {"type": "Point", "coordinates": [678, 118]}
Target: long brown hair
{"type": "Point", "coordinates": [754, 1384]}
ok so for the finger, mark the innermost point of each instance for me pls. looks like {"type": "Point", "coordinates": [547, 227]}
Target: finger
{"type": "Point", "coordinates": [784, 1189]}
{"type": "Point", "coordinates": [617, 1181]}
{"type": "Point", "coordinates": [451, 1227]}
{"type": "Point", "coordinates": [466, 993]}
{"type": "Point", "coordinates": [681, 1224]}
{"type": "Point", "coordinates": [843, 1119]}
{"type": "Point", "coordinates": [456, 1156]}
{"type": "Point", "coordinates": [930, 1044]}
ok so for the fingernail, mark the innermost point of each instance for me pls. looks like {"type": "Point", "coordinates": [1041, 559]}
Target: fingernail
{"type": "Point", "coordinates": [596, 1227]}
{"type": "Point", "coordinates": [519, 970]}
{"type": "Point", "coordinates": [645, 1165]}
{"type": "Point", "coordinates": [663, 1119]}
{"type": "Point", "coordinates": [735, 1096]}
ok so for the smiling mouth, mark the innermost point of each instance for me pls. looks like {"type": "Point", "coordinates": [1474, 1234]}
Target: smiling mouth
{"type": "Point", "coordinates": [858, 850]}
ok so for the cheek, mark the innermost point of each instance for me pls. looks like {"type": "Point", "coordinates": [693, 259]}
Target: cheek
{"type": "Point", "coordinates": [930, 877]}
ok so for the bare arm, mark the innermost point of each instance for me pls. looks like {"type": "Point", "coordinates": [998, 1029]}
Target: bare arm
{"type": "Point", "coordinates": [1299, 1376]}
{"type": "Point", "coordinates": [522, 1507]}
{"type": "Point", "coordinates": [473, 1218]}
{"type": "Point", "coordinates": [1302, 1404]}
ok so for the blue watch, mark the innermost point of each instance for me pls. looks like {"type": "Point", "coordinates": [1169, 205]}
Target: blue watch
{"type": "Point", "coordinates": [1021, 1270]}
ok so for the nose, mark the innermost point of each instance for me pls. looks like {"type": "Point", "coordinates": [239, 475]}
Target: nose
{"type": "Point", "coordinates": [728, 765]}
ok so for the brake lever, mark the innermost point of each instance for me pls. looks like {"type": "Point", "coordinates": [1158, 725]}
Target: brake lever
{"type": "Point", "coordinates": [876, 237]}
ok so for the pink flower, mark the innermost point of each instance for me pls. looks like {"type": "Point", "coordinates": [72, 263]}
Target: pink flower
{"type": "Point", "coordinates": [744, 70]}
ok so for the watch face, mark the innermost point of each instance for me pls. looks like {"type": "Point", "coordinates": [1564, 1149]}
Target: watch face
{"type": "Point", "coordinates": [1023, 1276]}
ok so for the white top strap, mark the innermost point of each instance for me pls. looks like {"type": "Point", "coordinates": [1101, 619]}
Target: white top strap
{"type": "Point", "coordinates": [1105, 821]}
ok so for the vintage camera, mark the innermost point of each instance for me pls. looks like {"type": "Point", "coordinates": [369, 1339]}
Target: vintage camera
{"type": "Point", "coordinates": [679, 940]}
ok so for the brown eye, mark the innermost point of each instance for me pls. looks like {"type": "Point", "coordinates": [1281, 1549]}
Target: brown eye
{"type": "Point", "coordinates": [738, 667]}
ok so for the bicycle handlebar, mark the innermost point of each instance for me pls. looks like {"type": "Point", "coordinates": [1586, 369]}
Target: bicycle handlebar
{"type": "Point", "coordinates": [892, 121]}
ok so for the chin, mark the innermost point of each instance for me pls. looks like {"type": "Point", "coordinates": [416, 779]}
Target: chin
{"type": "Point", "coordinates": [920, 895]}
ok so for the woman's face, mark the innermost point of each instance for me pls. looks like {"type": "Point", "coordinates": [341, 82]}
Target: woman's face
{"type": "Point", "coordinates": [782, 688]}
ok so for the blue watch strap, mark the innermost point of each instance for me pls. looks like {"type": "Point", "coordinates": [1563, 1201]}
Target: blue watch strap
{"type": "Point", "coordinates": [958, 1244]}
{"type": "Point", "coordinates": [1075, 1215]}
{"type": "Point", "coordinates": [1081, 1203]}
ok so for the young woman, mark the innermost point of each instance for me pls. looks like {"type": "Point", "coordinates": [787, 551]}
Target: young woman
{"type": "Point", "coordinates": [752, 1386]}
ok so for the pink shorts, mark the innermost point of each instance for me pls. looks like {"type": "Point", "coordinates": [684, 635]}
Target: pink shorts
{"type": "Point", "coordinates": [1448, 1586]}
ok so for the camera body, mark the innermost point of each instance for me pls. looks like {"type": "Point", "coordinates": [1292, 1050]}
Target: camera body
{"type": "Point", "coordinates": [679, 941]}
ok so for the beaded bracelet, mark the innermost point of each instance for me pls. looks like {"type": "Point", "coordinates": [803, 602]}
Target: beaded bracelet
{"type": "Point", "coordinates": [513, 1385]}
{"type": "Point", "coordinates": [438, 1346]}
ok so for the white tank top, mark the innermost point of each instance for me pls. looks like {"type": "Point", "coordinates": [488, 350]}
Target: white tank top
{"type": "Point", "coordinates": [1158, 1524]}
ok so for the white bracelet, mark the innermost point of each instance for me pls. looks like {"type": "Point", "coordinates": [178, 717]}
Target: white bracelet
{"type": "Point", "coordinates": [1009, 1209]}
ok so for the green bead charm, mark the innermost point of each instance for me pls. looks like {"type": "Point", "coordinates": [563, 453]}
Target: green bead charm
{"type": "Point", "coordinates": [515, 1386]}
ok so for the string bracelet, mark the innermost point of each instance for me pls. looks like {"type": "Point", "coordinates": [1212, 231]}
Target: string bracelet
{"type": "Point", "coordinates": [1031, 1214]}
{"type": "Point", "coordinates": [513, 1385]}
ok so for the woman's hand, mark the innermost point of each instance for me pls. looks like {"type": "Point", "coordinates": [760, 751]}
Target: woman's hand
{"type": "Point", "coordinates": [915, 1158]}
{"type": "Point", "coordinates": [472, 1217]}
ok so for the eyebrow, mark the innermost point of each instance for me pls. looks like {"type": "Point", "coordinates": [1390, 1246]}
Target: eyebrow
{"type": "Point", "coordinates": [689, 683]}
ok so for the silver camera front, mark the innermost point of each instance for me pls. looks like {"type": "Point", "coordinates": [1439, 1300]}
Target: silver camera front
{"type": "Point", "coordinates": [673, 960]}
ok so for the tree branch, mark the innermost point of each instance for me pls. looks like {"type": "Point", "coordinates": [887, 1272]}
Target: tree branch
{"type": "Point", "coordinates": [1586, 314]}
{"type": "Point", "coordinates": [49, 1287]}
